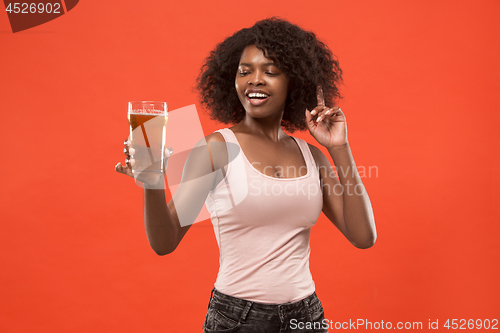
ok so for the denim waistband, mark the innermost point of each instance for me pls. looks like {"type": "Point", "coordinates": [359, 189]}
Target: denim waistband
{"type": "Point", "coordinates": [217, 295]}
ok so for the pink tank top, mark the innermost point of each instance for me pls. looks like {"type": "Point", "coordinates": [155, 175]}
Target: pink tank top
{"type": "Point", "coordinates": [262, 225]}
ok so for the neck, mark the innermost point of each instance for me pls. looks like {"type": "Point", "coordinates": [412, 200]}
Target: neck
{"type": "Point", "coordinates": [270, 128]}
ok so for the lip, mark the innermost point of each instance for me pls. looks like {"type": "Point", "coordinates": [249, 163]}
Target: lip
{"type": "Point", "coordinates": [249, 91]}
{"type": "Point", "coordinates": [256, 102]}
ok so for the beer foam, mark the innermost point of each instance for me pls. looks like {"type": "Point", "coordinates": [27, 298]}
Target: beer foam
{"type": "Point", "coordinates": [148, 111]}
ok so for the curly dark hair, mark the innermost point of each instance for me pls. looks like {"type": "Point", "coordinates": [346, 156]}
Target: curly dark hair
{"type": "Point", "coordinates": [305, 60]}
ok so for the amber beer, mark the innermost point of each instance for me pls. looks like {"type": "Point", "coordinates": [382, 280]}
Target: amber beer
{"type": "Point", "coordinates": [148, 122]}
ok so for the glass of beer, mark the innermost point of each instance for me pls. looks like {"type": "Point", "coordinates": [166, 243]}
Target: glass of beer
{"type": "Point", "coordinates": [148, 122]}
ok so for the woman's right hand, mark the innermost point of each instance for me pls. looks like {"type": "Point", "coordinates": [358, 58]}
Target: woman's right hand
{"type": "Point", "coordinates": [151, 180]}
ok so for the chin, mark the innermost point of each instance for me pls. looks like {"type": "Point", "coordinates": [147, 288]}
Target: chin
{"type": "Point", "coordinates": [256, 113]}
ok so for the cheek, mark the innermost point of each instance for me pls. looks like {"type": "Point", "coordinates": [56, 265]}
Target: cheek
{"type": "Point", "coordinates": [284, 88]}
{"type": "Point", "coordinates": [239, 92]}
{"type": "Point", "coordinates": [238, 86]}
{"type": "Point", "coordinates": [284, 94]}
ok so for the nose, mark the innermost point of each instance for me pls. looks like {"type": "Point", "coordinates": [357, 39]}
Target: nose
{"type": "Point", "coordinates": [256, 78]}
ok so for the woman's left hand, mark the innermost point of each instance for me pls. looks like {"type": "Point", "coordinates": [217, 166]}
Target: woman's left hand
{"type": "Point", "coordinates": [329, 128]}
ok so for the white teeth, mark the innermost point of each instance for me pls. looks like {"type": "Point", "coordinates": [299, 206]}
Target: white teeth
{"type": "Point", "coordinates": [253, 95]}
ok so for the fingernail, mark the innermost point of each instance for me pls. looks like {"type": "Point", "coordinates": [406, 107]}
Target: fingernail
{"type": "Point", "coordinates": [131, 151]}
{"type": "Point", "coordinates": [319, 119]}
{"type": "Point", "coordinates": [313, 112]}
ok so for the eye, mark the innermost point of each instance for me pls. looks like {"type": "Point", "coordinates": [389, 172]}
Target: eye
{"type": "Point", "coordinates": [271, 74]}
{"type": "Point", "coordinates": [243, 73]}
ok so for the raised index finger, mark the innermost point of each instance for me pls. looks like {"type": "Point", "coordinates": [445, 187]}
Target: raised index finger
{"type": "Point", "coordinates": [319, 95]}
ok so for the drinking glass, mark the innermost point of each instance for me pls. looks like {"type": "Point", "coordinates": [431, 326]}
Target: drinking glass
{"type": "Point", "coordinates": [148, 122]}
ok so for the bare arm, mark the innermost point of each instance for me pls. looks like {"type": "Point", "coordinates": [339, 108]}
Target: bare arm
{"type": "Point", "coordinates": [161, 222]}
{"type": "Point", "coordinates": [165, 224]}
{"type": "Point", "coordinates": [346, 203]}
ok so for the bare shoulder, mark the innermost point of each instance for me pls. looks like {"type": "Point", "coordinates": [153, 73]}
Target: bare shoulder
{"type": "Point", "coordinates": [214, 137]}
{"type": "Point", "coordinates": [319, 157]}
{"type": "Point", "coordinates": [325, 168]}
{"type": "Point", "coordinates": [217, 150]}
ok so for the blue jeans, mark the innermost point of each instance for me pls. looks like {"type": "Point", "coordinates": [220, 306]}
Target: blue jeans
{"type": "Point", "coordinates": [227, 314]}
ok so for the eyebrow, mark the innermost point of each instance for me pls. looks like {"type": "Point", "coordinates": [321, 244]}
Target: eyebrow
{"type": "Point", "coordinates": [250, 65]}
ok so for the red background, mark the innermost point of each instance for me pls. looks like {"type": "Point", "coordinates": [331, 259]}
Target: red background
{"type": "Point", "coordinates": [421, 100]}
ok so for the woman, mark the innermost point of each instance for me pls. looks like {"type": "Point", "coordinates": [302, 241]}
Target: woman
{"type": "Point", "coordinates": [271, 76]}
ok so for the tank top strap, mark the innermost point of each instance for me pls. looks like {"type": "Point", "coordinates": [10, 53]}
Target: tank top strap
{"type": "Point", "coordinates": [232, 146]}
{"type": "Point", "coordinates": [228, 135]}
{"type": "Point", "coordinates": [306, 152]}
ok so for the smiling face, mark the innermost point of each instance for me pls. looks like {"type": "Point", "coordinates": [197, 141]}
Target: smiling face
{"type": "Point", "coordinates": [261, 86]}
